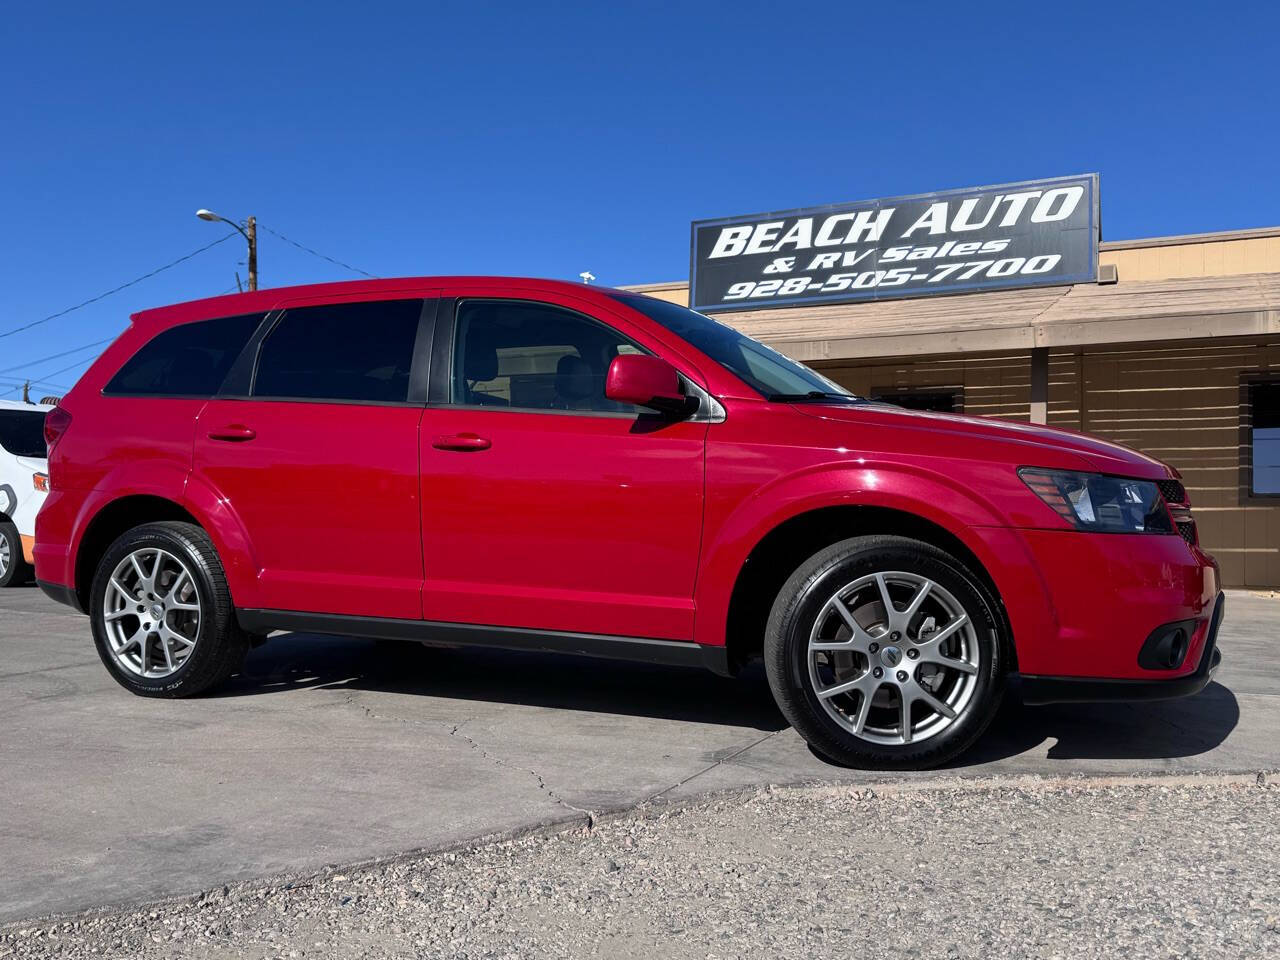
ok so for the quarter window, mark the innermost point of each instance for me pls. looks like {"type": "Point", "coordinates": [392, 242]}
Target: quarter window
{"type": "Point", "coordinates": [187, 361]}
{"type": "Point", "coordinates": [533, 356]}
{"type": "Point", "coordinates": [342, 351]}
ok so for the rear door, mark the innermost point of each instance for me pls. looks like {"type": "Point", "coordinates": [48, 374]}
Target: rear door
{"type": "Point", "coordinates": [316, 450]}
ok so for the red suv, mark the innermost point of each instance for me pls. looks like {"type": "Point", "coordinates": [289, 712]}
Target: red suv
{"type": "Point", "coordinates": [541, 465]}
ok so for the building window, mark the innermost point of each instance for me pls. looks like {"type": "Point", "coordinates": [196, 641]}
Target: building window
{"type": "Point", "coordinates": [1264, 418]}
{"type": "Point", "coordinates": [940, 401]}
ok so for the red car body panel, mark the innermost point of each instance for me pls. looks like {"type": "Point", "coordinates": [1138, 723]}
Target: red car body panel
{"type": "Point", "coordinates": [596, 531]}
{"type": "Point", "coordinates": [589, 523]}
{"type": "Point", "coordinates": [330, 533]}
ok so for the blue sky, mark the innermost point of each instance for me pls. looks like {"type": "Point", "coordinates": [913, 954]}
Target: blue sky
{"type": "Point", "coordinates": [544, 139]}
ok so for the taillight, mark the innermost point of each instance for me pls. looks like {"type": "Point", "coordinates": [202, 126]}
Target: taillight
{"type": "Point", "coordinates": [40, 481]}
{"type": "Point", "coordinates": [56, 422]}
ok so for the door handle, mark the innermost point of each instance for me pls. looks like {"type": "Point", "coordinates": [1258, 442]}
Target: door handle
{"type": "Point", "coordinates": [461, 441]}
{"type": "Point", "coordinates": [234, 433]}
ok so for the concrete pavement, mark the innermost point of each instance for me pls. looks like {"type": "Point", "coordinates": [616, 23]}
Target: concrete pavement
{"type": "Point", "coordinates": [329, 750]}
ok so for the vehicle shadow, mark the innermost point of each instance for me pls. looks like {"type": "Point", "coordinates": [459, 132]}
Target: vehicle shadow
{"type": "Point", "coordinates": [1162, 729]}
{"type": "Point", "coordinates": [1090, 731]}
{"type": "Point", "coordinates": [293, 661]}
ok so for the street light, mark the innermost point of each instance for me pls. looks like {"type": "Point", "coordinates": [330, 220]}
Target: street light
{"type": "Point", "coordinates": [250, 233]}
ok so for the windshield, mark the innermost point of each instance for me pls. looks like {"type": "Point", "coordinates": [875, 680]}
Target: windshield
{"type": "Point", "coordinates": [763, 368]}
{"type": "Point", "coordinates": [22, 433]}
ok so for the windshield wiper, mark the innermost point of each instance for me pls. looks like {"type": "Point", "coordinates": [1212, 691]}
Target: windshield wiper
{"type": "Point", "coordinates": [813, 396]}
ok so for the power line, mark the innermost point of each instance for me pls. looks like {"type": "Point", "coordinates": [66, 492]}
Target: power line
{"type": "Point", "coordinates": [47, 383]}
{"type": "Point", "coordinates": [55, 356]}
{"type": "Point", "coordinates": [123, 286]}
{"type": "Point", "coordinates": [317, 253]}
{"type": "Point", "coordinates": [18, 384]}
{"type": "Point", "coordinates": [21, 381]}
{"type": "Point", "coordinates": [14, 389]}
{"type": "Point", "coordinates": [69, 366]}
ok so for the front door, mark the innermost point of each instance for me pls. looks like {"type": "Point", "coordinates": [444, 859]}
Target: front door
{"type": "Point", "coordinates": [319, 459]}
{"type": "Point", "coordinates": [545, 505]}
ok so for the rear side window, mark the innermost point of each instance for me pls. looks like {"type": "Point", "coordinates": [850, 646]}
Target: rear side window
{"type": "Point", "coordinates": [343, 351]}
{"type": "Point", "coordinates": [22, 433]}
{"type": "Point", "coordinates": [187, 361]}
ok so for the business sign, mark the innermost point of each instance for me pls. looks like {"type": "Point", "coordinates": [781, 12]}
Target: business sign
{"type": "Point", "coordinates": [1041, 232]}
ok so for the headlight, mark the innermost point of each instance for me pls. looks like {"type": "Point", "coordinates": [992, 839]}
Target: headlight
{"type": "Point", "coordinates": [1090, 501]}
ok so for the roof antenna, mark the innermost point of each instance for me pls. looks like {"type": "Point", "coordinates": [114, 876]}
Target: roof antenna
{"type": "Point", "coordinates": [587, 276]}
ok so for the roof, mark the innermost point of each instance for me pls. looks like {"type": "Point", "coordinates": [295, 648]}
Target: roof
{"type": "Point", "coordinates": [1169, 288]}
{"type": "Point", "coordinates": [19, 405]}
{"type": "Point", "coordinates": [1177, 240]}
{"type": "Point", "coordinates": [272, 297]}
{"type": "Point", "coordinates": [1241, 305]}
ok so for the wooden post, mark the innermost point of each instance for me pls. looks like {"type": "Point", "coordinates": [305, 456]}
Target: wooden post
{"type": "Point", "coordinates": [252, 231]}
{"type": "Point", "coordinates": [1040, 385]}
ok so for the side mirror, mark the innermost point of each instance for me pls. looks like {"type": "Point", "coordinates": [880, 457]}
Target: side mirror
{"type": "Point", "coordinates": [646, 382]}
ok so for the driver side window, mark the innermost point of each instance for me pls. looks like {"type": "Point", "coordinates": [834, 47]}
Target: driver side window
{"type": "Point", "coordinates": [533, 356]}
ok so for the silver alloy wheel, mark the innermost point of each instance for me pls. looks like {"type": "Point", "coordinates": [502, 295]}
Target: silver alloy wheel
{"type": "Point", "coordinates": [894, 658]}
{"type": "Point", "coordinates": [151, 612]}
{"type": "Point", "coordinates": [5, 556]}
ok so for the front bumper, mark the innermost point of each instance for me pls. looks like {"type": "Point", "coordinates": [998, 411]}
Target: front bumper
{"type": "Point", "coordinates": [1037, 690]}
{"type": "Point", "coordinates": [1083, 605]}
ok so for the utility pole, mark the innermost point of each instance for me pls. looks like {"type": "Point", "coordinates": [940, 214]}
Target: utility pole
{"type": "Point", "coordinates": [252, 236]}
{"type": "Point", "coordinates": [250, 233]}
{"type": "Point", "coordinates": [26, 392]}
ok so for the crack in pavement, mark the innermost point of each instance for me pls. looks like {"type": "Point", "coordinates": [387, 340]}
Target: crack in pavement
{"type": "Point", "coordinates": [39, 670]}
{"type": "Point", "coordinates": [454, 730]}
{"type": "Point", "coordinates": [721, 761]}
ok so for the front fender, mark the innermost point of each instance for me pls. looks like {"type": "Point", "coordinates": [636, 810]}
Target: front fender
{"type": "Point", "coordinates": [905, 488]}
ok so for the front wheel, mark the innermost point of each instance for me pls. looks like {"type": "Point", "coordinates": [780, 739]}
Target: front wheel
{"type": "Point", "coordinates": [885, 652]}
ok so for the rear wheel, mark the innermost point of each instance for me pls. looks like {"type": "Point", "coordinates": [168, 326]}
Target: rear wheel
{"type": "Point", "coordinates": [14, 569]}
{"type": "Point", "coordinates": [162, 616]}
{"type": "Point", "coordinates": [885, 652]}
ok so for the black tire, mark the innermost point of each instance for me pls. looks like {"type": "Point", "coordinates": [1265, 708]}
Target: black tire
{"type": "Point", "coordinates": [803, 598]}
{"type": "Point", "coordinates": [220, 643]}
{"type": "Point", "coordinates": [17, 571]}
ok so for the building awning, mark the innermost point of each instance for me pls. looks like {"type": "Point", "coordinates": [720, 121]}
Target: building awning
{"type": "Point", "coordinates": [1127, 312]}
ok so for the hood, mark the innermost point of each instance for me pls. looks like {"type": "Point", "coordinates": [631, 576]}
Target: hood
{"type": "Point", "coordinates": [1102, 455]}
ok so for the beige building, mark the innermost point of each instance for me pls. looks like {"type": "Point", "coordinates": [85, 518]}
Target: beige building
{"type": "Point", "coordinates": [1174, 351]}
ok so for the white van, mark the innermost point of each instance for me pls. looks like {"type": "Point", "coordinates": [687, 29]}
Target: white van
{"type": "Point", "coordinates": [24, 481]}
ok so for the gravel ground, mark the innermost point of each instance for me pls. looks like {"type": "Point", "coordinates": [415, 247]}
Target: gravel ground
{"type": "Point", "coordinates": [1181, 867]}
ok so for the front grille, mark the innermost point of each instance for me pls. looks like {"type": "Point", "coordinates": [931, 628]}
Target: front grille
{"type": "Point", "coordinates": [1172, 491]}
{"type": "Point", "coordinates": [1175, 495]}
